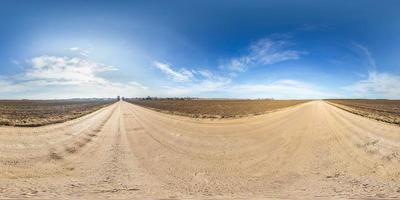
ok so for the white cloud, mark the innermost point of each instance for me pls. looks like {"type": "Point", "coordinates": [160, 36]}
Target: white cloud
{"type": "Point", "coordinates": [82, 52]}
{"type": "Point", "coordinates": [365, 53]}
{"type": "Point", "coordinates": [74, 48]}
{"type": "Point", "coordinates": [15, 62]}
{"type": "Point", "coordinates": [206, 83]}
{"type": "Point", "coordinates": [66, 77]}
{"type": "Point", "coordinates": [205, 73]}
{"type": "Point", "coordinates": [65, 70]}
{"type": "Point", "coordinates": [7, 86]}
{"type": "Point", "coordinates": [182, 75]}
{"type": "Point", "coordinates": [139, 85]}
{"type": "Point", "coordinates": [197, 88]}
{"type": "Point", "coordinates": [201, 81]}
{"type": "Point", "coordinates": [376, 85]}
{"type": "Point", "coordinates": [267, 51]}
{"type": "Point", "coordinates": [281, 89]}
{"type": "Point", "coordinates": [264, 52]}
{"type": "Point", "coordinates": [33, 91]}
{"type": "Point", "coordinates": [211, 81]}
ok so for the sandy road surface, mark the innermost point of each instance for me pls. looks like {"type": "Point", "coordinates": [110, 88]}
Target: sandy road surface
{"type": "Point", "coordinates": [126, 151]}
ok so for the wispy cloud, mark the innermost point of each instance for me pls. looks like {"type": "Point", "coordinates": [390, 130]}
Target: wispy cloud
{"type": "Point", "coordinates": [74, 48]}
{"type": "Point", "coordinates": [190, 83]}
{"type": "Point", "coordinates": [313, 27]}
{"type": "Point", "coordinates": [66, 77]}
{"type": "Point", "coordinates": [7, 86]}
{"type": "Point", "coordinates": [81, 51]}
{"type": "Point", "coordinates": [201, 81]}
{"type": "Point", "coordinates": [65, 70]}
{"type": "Point", "coordinates": [265, 51]}
{"type": "Point", "coordinates": [376, 85]}
{"type": "Point", "coordinates": [205, 83]}
{"type": "Point", "coordinates": [364, 53]}
{"type": "Point", "coordinates": [139, 85]}
{"type": "Point", "coordinates": [281, 89]}
{"type": "Point", "coordinates": [183, 75]}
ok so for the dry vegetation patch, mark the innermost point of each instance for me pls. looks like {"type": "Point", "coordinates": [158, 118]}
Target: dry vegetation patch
{"type": "Point", "coordinates": [201, 108]}
{"type": "Point", "coordinates": [43, 112]}
{"type": "Point", "coordinates": [380, 109]}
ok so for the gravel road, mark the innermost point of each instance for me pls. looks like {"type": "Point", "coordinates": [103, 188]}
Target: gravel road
{"type": "Point", "coordinates": [126, 151]}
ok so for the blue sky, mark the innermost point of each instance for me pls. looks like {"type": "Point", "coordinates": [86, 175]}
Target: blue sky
{"type": "Point", "coordinates": [235, 49]}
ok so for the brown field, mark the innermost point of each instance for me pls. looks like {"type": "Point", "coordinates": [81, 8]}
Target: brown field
{"type": "Point", "coordinates": [216, 108]}
{"type": "Point", "coordinates": [382, 110]}
{"type": "Point", "coordinates": [42, 112]}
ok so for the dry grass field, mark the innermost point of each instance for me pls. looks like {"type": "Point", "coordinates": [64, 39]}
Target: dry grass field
{"type": "Point", "coordinates": [382, 110]}
{"type": "Point", "coordinates": [42, 112]}
{"type": "Point", "coordinates": [216, 108]}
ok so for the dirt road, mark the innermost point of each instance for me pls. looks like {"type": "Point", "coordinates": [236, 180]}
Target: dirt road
{"type": "Point", "coordinates": [126, 151]}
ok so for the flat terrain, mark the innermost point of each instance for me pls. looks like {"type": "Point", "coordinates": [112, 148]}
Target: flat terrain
{"type": "Point", "coordinates": [382, 110]}
{"type": "Point", "coordinates": [312, 150]}
{"type": "Point", "coordinates": [43, 112]}
{"type": "Point", "coordinates": [216, 108]}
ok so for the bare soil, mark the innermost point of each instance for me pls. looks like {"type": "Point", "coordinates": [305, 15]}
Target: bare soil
{"type": "Point", "coordinates": [216, 108]}
{"type": "Point", "coordinates": [43, 112]}
{"type": "Point", "coordinates": [382, 110]}
{"type": "Point", "coordinates": [310, 151]}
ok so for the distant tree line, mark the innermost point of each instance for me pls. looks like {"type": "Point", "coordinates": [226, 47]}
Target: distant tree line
{"type": "Point", "coordinates": [161, 98]}
{"type": "Point", "coordinates": [149, 98]}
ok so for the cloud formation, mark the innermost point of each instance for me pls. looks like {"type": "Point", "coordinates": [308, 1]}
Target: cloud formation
{"type": "Point", "coordinates": [66, 77]}
{"type": "Point", "coordinates": [82, 52]}
{"type": "Point", "coordinates": [183, 75]}
{"type": "Point", "coordinates": [376, 85]}
{"type": "Point", "coordinates": [66, 71]}
{"type": "Point", "coordinates": [365, 54]}
{"type": "Point", "coordinates": [6, 86]}
{"type": "Point", "coordinates": [281, 89]}
{"type": "Point", "coordinates": [203, 81]}
{"type": "Point", "coordinates": [264, 52]}
{"type": "Point", "coordinates": [206, 83]}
